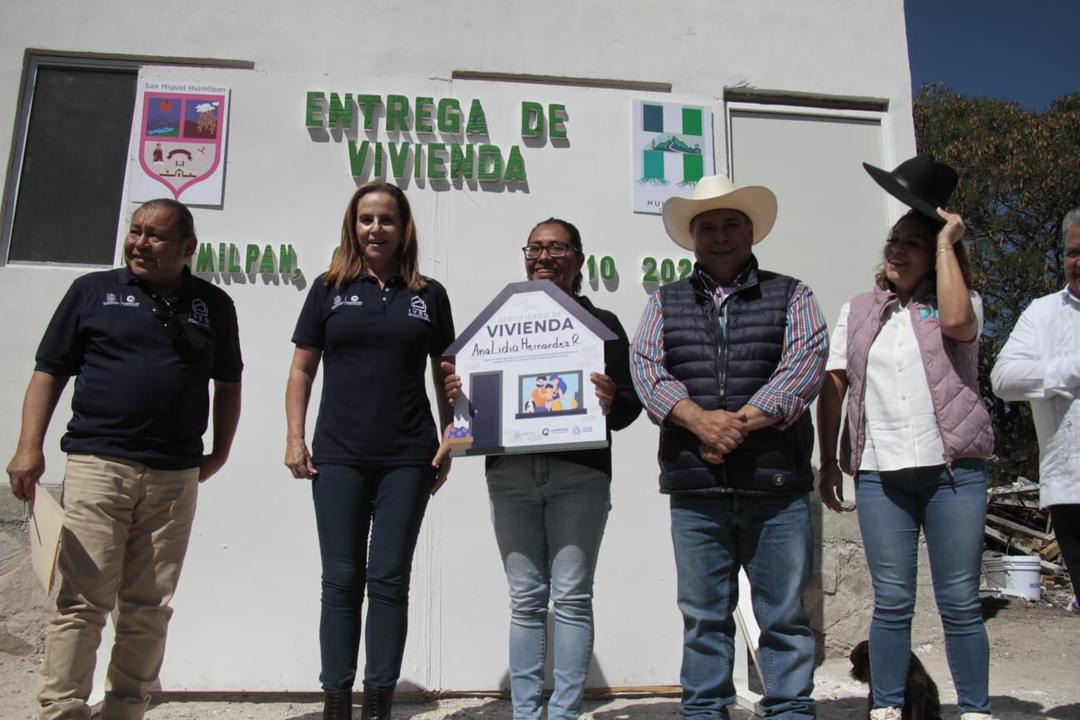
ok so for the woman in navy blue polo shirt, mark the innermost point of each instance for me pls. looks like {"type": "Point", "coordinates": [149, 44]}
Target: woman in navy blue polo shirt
{"type": "Point", "coordinates": [373, 321]}
{"type": "Point", "coordinates": [550, 509]}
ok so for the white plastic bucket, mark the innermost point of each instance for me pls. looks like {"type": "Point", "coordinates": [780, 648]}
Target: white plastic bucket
{"type": "Point", "coordinates": [1015, 575]}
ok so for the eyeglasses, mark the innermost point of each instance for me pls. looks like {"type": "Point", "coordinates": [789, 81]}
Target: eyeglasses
{"type": "Point", "coordinates": [555, 250]}
{"type": "Point", "coordinates": [165, 312]}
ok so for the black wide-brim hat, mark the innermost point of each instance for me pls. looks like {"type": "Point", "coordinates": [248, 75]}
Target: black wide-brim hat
{"type": "Point", "coordinates": [921, 183]}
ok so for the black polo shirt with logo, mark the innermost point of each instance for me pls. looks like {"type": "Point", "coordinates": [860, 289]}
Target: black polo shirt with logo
{"type": "Point", "coordinates": [142, 376]}
{"type": "Point", "coordinates": [375, 347]}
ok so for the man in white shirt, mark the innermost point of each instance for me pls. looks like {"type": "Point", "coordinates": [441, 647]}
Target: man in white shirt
{"type": "Point", "coordinates": [1040, 363]}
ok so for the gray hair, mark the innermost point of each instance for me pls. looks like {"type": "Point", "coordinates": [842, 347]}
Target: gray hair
{"type": "Point", "coordinates": [185, 223]}
{"type": "Point", "coordinates": [1072, 219]}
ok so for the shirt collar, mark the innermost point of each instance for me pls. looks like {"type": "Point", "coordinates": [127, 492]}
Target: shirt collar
{"type": "Point", "coordinates": [1070, 299]}
{"type": "Point", "coordinates": [394, 279]}
{"type": "Point", "coordinates": [128, 278]}
{"type": "Point", "coordinates": [748, 276]}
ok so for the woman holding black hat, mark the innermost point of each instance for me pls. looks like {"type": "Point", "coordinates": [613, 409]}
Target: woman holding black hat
{"type": "Point", "coordinates": [916, 436]}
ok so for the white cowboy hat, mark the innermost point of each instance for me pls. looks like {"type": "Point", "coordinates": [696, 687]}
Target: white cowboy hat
{"type": "Point", "coordinates": [715, 192]}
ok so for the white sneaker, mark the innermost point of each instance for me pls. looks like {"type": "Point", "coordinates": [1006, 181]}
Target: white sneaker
{"type": "Point", "coordinates": [890, 713]}
{"type": "Point", "coordinates": [976, 716]}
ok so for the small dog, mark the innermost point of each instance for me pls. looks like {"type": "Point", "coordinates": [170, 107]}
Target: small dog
{"type": "Point", "coordinates": [921, 700]}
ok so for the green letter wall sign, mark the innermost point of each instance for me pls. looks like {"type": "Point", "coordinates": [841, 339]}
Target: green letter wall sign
{"type": "Point", "coordinates": [532, 119]}
{"type": "Point", "coordinates": [378, 169]}
{"type": "Point", "coordinates": [251, 256]}
{"type": "Point", "coordinates": [357, 155]}
{"type": "Point", "coordinates": [449, 117]}
{"type": "Point", "coordinates": [341, 114]}
{"type": "Point", "coordinates": [257, 260]}
{"type": "Point", "coordinates": [205, 262]}
{"type": "Point", "coordinates": [397, 113]}
{"type": "Point", "coordinates": [436, 161]}
{"type": "Point", "coordinates": [385, 154]}
{"type": "Point", "coordinates": [266, 267]}
{"type": "Point", "coordinates": [462, 162]}
{"type": "Point", "coordinates": [489, 153]}
{"type": "Point", "coordinates": [367, 104]}
{"type": "Point", "coordinates": [399, 155]}
{"type": "Point", "coordinates": [234, 259]}
{"type": "Point", "coordinates": [515, 166]}
{"type": "Point", "coordinates": [477, 120]}
{"type": "Point", "coordinates": [287, 260]}
{"type": "Point", "coordinates": [423, 109]}
{"type": "Point", "coordinates": [316, 106]}
{"type": "Point", "coordinates": [556, 120]}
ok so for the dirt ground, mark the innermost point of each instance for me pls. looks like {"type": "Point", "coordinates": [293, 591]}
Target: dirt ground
{"type": "Point", "coordinates": [1034, 670]}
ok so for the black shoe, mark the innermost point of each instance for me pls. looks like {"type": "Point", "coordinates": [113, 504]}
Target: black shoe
{"type": "Point", "coordinates": [337, 704]}
{"type": "Point", "coordinates": [377, 702]}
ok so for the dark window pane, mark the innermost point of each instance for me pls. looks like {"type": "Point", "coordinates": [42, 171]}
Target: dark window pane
{"type": "Point", "coordinates": [73, 168]}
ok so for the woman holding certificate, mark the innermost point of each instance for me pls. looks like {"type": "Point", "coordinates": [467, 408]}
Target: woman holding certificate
{"type": "Point", "coordinates": [373, 322]}
{"type": "Point", "coordinates": [549, 509]}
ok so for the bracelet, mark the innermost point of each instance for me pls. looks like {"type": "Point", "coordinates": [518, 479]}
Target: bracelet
{"type": "Point", "coordinates": [942, 250]}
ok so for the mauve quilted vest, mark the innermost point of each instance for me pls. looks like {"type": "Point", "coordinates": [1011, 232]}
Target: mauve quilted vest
{"type": "Point", "coordinates": [951, 367]}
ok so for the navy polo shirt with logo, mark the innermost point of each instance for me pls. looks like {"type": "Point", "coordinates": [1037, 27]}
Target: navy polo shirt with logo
{"type": "Point", "coordinates": [375, 345]}
{"type": "Point", "coordinates": [142, 384]}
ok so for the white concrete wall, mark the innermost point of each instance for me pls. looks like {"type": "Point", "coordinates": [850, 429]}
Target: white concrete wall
{"type": "Point", "coordinates": [247, 609]}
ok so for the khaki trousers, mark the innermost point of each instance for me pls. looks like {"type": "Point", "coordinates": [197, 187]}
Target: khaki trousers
{"type": "Point", "coordinates": [126, 529]}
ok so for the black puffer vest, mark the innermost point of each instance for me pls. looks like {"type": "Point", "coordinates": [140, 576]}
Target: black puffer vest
{"type": "Point", "coordinates": [723, 356]}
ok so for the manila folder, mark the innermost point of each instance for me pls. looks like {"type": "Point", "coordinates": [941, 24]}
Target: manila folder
{"type": "Point", "coordinates": [46, 522]}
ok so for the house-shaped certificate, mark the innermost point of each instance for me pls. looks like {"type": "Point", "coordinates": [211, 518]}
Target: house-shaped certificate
{"type": "Point", "coordinates": [524, 364]}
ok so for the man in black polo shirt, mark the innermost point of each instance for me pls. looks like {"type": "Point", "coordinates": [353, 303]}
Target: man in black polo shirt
{"type": "Point", "coordinates": [143, 342]}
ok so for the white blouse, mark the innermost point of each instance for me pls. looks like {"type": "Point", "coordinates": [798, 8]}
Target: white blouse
{"type": "Point", "coordinates": [901, 428]}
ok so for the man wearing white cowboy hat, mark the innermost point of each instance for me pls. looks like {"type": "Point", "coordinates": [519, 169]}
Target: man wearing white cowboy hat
{"type": "Point", "coordinates": [727, 362]}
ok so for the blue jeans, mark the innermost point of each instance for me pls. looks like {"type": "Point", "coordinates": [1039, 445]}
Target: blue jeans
{"type": "Point", "coordinates": [549, 516]}
{"type": "Point", "coordinates": [355, 506]}
{"type": "Point", "coordinates": [951, 510]}
{"type": "Point", "coordinates": [713, 536]}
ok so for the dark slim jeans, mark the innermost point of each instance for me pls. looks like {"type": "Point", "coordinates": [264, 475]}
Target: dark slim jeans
{"type": "Point", "coordinates": [368, 519]}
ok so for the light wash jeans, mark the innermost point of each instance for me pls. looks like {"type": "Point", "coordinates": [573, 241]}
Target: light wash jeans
{"type": "Point", "coordinates": [715, 534]}
{"type": "Point", "coordinates": [549, 516]}
{"type": "Point", "coordinates": [893, 506]}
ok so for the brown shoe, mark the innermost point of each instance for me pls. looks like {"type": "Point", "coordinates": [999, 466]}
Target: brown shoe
{"type": "Point", "coordinates": [377, 702]}
{"type": "Point", "coordinates": [337, 704]}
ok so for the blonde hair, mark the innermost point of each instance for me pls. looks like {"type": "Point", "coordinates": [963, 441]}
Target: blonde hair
{"type": "Point", "coordinates": [348, 262]}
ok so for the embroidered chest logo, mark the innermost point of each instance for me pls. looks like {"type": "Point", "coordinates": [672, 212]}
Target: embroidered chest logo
{"type": "Point", "coordinates": [347, 300]}
{"type": "Point", "coordinates": [200, 313]}
{"type": "Point", "coordinates": [418, 309]}
{"type": "Point", "coordinates": [120, 300]}
{"type": "Point", "coordinates": [928, 313]}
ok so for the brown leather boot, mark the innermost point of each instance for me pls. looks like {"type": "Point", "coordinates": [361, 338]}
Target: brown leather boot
{"type": "Point", "coordinates": [377, 702]}
{"type": "Point", "coordinates": [337, 704]}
